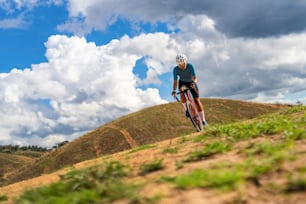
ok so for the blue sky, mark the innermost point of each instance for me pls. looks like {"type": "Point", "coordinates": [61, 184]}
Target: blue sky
{"type": "Point", "coordinates": [69, 66]}
{"type": "Point", "coordinates": [24, 45]}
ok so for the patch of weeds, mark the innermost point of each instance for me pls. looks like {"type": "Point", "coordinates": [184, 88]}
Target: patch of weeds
{"type": "Point", "coordinates": [101, 184]}
{"type": "Point", "coordinates": [296, 185]}
{"type": "Point", "coordinates": [142, 147]}
{"type": "Point", "coordinates": [151, 167]}
{"type": "Point", "coordinates": [112, 169]}
{"type": "Point", "coordinates": [221, 179]}
{"type": "Point", "coordinates": [106, 192]}
{"type": "Point", "coordinates": [201, 138]}
{"type": "Point", "coordinates": [209, 150]}
{"type": "Point", "coordinates": [236, 131]}
{"type": "Point", "coordinates": [302, 169]}
{"type": "Point", "coordinates": [295, 109]}
{"type": "Point", "coordinates": [295, 133]}
{"type": "Point", "coordinates": [267, 148]}
{"type": "Point", "coordinates": [256, 170]}
{"type": "Point", "coordinates": [3, 198]}
{"type": "Point", "coordinates": [228, 176]}
{"type": "Point", "coordinates": [254, 167]}
{"type": "Point", "coordinates": [269, 125]}
{"type": "Point", "coordinates": [274, 124]}
{"type": "Point", "coordinates": [267, 157]}
{"type": "Point", "coordinates": [171, 150]}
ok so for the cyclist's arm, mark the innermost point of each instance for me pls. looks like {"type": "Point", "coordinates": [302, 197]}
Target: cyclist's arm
{"type": "Point", "coordinates": [195, 79]}
{"type": "Point", "coordinates": [174, 79]}
{"type": "Point", "coordinates": [193, 74]}
{"type": "Point", "coordinates": [174, 85]}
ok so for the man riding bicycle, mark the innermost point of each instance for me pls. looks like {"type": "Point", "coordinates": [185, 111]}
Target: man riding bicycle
{"type": "Point", "coordinates": [187, 77]}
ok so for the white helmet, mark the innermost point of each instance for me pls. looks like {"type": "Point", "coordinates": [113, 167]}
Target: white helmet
{"type": "Point", "coordinates": [181, 58]}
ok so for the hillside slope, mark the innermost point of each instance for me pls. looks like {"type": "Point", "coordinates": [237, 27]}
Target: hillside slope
{"type": "Point", "coordinates": [147, 126]}
{"type": "Point", "coordinates": [255, 161]}
{"type": "Point", "coordinates": [10, 162]}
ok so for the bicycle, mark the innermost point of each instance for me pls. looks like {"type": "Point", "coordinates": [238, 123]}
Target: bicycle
{"type": "Point", "coordinates": [191, 109]}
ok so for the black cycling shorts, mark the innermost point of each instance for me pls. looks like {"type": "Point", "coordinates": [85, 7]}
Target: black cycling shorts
{"type": "Point", "coordinates": [194, 91]}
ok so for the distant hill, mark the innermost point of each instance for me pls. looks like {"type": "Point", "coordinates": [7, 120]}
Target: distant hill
{"type": "Point", "coordinates": [10, 162]}
{"type": "Point", "coordinates": [146, 126]}
{"type": "Point", "coordinates": [15, 157]}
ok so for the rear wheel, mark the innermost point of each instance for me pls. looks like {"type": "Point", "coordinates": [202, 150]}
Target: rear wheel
{"type": "Point", "coordinates": [194, 116]}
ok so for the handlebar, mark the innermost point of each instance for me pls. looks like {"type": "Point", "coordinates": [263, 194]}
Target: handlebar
{"type": "Point", "coordinates": [184, 91]}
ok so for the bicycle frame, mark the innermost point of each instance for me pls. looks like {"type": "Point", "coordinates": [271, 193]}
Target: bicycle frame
{"type": "Point", "coordinates": [192, 109]}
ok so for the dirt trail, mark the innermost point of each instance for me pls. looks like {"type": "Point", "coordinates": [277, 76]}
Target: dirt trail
{"type": "Point", "coordinates": [126, 135]}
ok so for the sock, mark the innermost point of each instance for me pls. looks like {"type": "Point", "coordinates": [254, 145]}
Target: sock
{"type": "Point", "coordinates": [184, 104]}
{"type": "Point", "coordinates": [202, 115]}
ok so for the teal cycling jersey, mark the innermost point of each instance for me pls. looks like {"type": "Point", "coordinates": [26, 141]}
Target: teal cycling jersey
{"type": "Point", "coordinates": [185, 75]}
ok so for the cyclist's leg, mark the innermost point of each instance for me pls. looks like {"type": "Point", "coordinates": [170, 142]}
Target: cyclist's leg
{"type": "Point", "coordinates": [181, 84]}
{"type": "Point", "coordinates": [198, 104]}
{"type": "Point", "coordinates": [183, 99]}
{"type": "Point", "coordinates": [195, 95]}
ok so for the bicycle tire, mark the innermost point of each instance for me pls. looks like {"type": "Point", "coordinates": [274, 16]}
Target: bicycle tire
{"type": "Point", "coordinates": [194, 116]}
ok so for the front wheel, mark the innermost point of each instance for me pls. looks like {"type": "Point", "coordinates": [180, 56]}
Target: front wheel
{"type": "Point", "coordinates": [194, 116]}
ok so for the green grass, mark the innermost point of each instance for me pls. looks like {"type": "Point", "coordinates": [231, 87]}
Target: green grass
{"type": "Point", "coordinates": [294, 109]}
{"type": "Point", "coordinates": [225, 180]}
{"type": "Point", "coordinates": [228, 176]}
{"type": "Point", "coordinates": [151, 167]}
{"type": "Point", "coordinates": [142, 147]}
{"type": "Point", "coordinates": [201, 138]}
{"type": "Point", "coordinates": [302, 169]}
{"type": "Point", "coordinates": [268, 125]}
{"type": "Point", "coordinates": [171, 150]}
{"type": "Point", "coordinates": [3, 198]}
{"type": "Point", "coordinates": [101, 184]}
{"type": "Point", "coordinates": [208, 150]}
{"type": "Point", "coordinates": [267, 148]}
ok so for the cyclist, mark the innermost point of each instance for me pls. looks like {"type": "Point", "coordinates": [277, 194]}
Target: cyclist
{"type": "Point", "coordinates": [187, 77]}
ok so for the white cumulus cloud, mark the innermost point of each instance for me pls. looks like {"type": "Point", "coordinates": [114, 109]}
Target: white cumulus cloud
{"type": "Point", "coordinates": [80, 87]}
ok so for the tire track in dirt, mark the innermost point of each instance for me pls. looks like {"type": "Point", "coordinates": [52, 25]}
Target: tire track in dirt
{"type": "Point", "coordinates": [128, 137]}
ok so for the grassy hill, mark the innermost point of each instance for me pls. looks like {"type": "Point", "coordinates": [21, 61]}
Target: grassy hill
{"type": "Point", "coordinates": [259, 160]}
{"type": "Point", "coordinates": [12, 161]}
{"type": "Point", "coordinates": [147, 126]}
